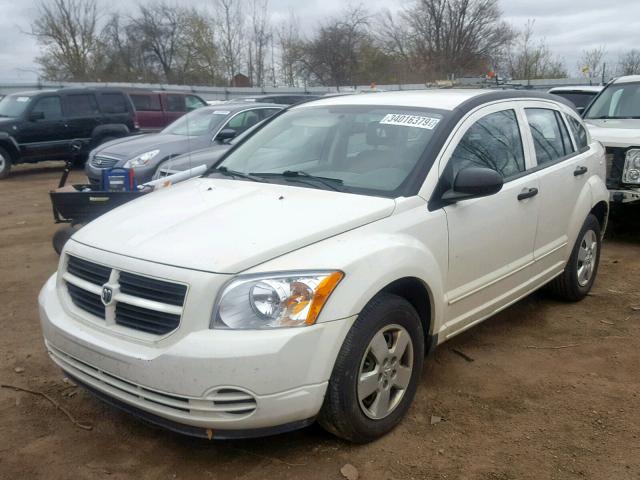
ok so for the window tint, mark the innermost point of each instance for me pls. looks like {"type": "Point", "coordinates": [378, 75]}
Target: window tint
{"type": "Point", "coordinates": [112, 103]}
{"type": "Point", "coordinates": [146, 103]}
{"type": "Point", "coordinates": [175, 103]}
{"type": "Point", "coordinates": [83, 105]}
{"type": "Point", "coordinates": [494, 142]}
{"type": "Point", "coordinates": [579, 133]}
{"type": "Point", "coordinates": [49, 106]}
{"type": "Point", "coordinates": [243, 121]}
{"type": "Point", "coordinates": [548, 138]}
{"type": "Point", "coordinates": [192, 102]}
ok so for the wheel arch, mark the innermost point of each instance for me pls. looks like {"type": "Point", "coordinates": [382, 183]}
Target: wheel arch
{"type": "Point", "coordinates": [601, 211]}
{"type": "Point", "coordinates": [8, 143]}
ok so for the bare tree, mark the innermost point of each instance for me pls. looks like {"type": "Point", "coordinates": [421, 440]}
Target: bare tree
{"type": "Point", "coordinates": [260, 37]}
{"type": "Point", "coordinates": [456, 36]}
{"type": "Point", "coordinates": [591, 63]}
{"type": "Point", "coordinates": [290, 46]}
{"type": "Point", "coordinates": [530, 59]}
{"type": "Point", "coordinates": [331, 57]}
{"type": "Point", "coordinates": [230, 29]}
{"type": "Point", "coordinates": [629, 63]}
{"type": "Point", "coordinates": [69, 32]}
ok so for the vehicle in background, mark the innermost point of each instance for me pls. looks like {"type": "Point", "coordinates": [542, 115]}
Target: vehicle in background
{"type": "Point", "coordinates": [580, 96]}
{"type": "Point", "coordinates": [307, 274]}
{"type": "Point", "coordinates": [613, 118]}
{"type": "Point", "coordinates": [42, 125]}
{"type": "Point", "coordinates": [157, 109]}
{"type": "Point", "coordinates": [280, 99]}
{"type": "Point", "coordinates": [208, 157]}
{"type": "Point", "coordinates": [199, 129]}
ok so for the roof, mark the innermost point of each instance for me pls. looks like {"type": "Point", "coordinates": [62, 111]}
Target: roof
{"type": "Point", "coordinates": [628, 79]}
{"type": "Point", "coordinates": [235, 107]}
{"type": "Point", "coordinates": [577, 88]}
{"type": "Point", "coordinates": [435, 98]}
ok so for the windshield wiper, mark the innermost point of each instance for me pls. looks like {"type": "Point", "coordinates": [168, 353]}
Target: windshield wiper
{"type": "Point", "coordinates": [305, 177]}
{"type": "Point", "coordinates": [233, 173]}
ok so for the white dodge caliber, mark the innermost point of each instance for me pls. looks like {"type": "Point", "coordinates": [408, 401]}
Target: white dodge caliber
{"type": "Point", "coordinates": [306, 276]}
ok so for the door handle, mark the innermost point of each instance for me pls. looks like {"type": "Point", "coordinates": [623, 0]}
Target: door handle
{"type": "Point", "coordinates": [528, 193]}
{"type": "Point", "coordinates": [580, 171]}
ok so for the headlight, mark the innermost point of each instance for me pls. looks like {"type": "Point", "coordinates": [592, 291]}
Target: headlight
{"type": "Point", "coordinates": [142, 159]}
{"type": "Point", "coordinates": [273, 301]}
{"type": "Point", "coordinates": [631, 172]}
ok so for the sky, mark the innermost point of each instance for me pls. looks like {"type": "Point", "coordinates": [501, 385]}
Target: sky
{"type": "Point", "coordinates": [568, 26]}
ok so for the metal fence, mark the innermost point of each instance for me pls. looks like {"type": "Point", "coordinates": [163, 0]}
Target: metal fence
{"type": "Point", "coordinates": [226, 93]}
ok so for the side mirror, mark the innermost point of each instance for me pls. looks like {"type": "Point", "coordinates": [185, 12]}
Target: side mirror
{"type": "Point", "coordinates": [35, 116]}
{"type": "Point", "coordinates": [474, 182]}
{"type": "Point", "coordinates": [226, 134]}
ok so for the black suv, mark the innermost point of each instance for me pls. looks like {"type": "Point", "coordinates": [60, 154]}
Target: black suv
{"type": "Point", "coordinates": [41, 125]}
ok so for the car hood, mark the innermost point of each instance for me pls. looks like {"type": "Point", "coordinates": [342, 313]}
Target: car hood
{"type": "Point", "coordinates": [227, 226]}
{"type": "Point", "coordinates": [206, 156]}
{"type": "Point", "coordinates": [615, 133]}
{"type": "Point", "coordinates": [6, 123]}
{"type": "Point", "coordinates": [129, 147]}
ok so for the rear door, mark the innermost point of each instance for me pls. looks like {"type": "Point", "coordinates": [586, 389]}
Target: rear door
{"type": "Point", "coordinates": [82, 115]}
{"type": "Point", "coordinates": [491, 239]}
{"type": "Point", "coordinates": [44, 138]}
{"type": "Point", "coordinates": [174, 106]}
{"type": "Point", "coordinates": [148, 110]}
{"type": "Point", "coordinates": [563, 172]}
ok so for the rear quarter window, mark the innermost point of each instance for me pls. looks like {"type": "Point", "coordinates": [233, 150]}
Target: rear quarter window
{"type": "Point", "coordinates": [579, 133]}
{"type": "Point", "coordinates": [146, 102]}
{"type": "Point", "coordinates": [112, 102]}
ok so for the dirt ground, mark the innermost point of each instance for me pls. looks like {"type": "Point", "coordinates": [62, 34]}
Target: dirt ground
{"type": "Point", "coordinates": [553, 391]}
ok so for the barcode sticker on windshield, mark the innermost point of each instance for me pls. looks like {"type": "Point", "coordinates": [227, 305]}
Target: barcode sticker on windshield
{"type": "Point", "coordinates": [22, 99]}
{"type": "Point", "coordinates": [404, 120]}
{"type": "Point", "coordinates": [221, 112]}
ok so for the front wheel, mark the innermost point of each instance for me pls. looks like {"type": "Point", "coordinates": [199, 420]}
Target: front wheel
{"type": "Point", "coordinates": [5, 163]}
{"type": "Point", "coordinates": [580, 272]}
{"type": "Point", "coordinates": [376, 373]}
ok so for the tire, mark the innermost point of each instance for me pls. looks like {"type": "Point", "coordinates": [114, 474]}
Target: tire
{"type": "Point", "coordinates": [578, 276]}
{"type": "Point", "coordinates": [360, 418]}
{"type": "Point", "coordinates": [61, 236]}
{"type": "Point", "coordinates": [5, 163]}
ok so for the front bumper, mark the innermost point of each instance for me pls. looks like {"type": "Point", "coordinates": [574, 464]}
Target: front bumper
{"type": "Point", "coordinates": [218, 380]}
{"type": "Point", "coordinates": [142, 174]}
{"type": "Point", "coordinates": [624, 196]}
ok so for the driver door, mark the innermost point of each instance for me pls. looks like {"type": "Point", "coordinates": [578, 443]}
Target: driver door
{"type": "Point", "coordinates": [491, 239]}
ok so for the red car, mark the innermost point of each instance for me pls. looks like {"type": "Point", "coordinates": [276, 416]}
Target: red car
{"type": "Point", "coordinates": [157, 109]}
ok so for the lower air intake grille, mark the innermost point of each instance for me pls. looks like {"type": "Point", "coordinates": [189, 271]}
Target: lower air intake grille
{"type": "Point", "coordinates": [87, 301]}
{"type": "Point", "coordinates": [146, 320]}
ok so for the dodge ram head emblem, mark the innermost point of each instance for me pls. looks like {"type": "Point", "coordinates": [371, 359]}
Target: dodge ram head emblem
{"type": "Point", "coordinates": [107, 295]}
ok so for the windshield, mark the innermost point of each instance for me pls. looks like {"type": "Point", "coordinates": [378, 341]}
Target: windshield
{"type": "Point", "coordinates": [199, 122]}
{"type": "Point", "coordinates": [13, 105]}
{"type": "Point", "coordinates": [620, 100]}
{"type": "Point", "coordinates": [359, 148]}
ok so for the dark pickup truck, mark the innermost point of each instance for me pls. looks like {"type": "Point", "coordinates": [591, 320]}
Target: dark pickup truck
{"type": "Point", "coordinates": [42, 125]}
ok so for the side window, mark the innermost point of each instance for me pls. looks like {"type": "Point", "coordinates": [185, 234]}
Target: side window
{"type": "Point", "coordinates": [192, 102]}
{"type": "Point", "coordinates": [548, 139]}
{"type": "Point", "coordinates": [175, 103]}
{"type": "Point", "coordinates": [112, 103]}
{"type": "Point", "coordinates": [49, 106]}
{"type": "Point", "coordinates": [243, 121]}
{"type": "Point", "coordinates": [493, 141]}
{"type": "Point", "coordinates": [81, 105]}
{"type": "Point", "coordinates": [579, 133]}
{"type": "Point", "coordinates": [146, 102]}
{"type": "Point", "coordinates": [267, 112]}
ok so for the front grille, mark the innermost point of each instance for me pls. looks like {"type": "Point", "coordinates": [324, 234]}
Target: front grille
{"type": "Point", "coordinates": [89, 271]}
{"type": "Point", "coordinates": [136, 302]}
{"type": "Point", "coordinates": [100, 161]}
{"type": "Point", "coordinates": [224, 402]}
{"type": "Point", "coordinates": [146, 320]}
{"type": "Point", "coordinates": [85, 300]}
{"type": "Point", "coordinates": [152, 289]}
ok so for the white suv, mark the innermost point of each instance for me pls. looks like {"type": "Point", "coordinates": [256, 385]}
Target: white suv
{"type": "Point", "coordinates": [308, 274]}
